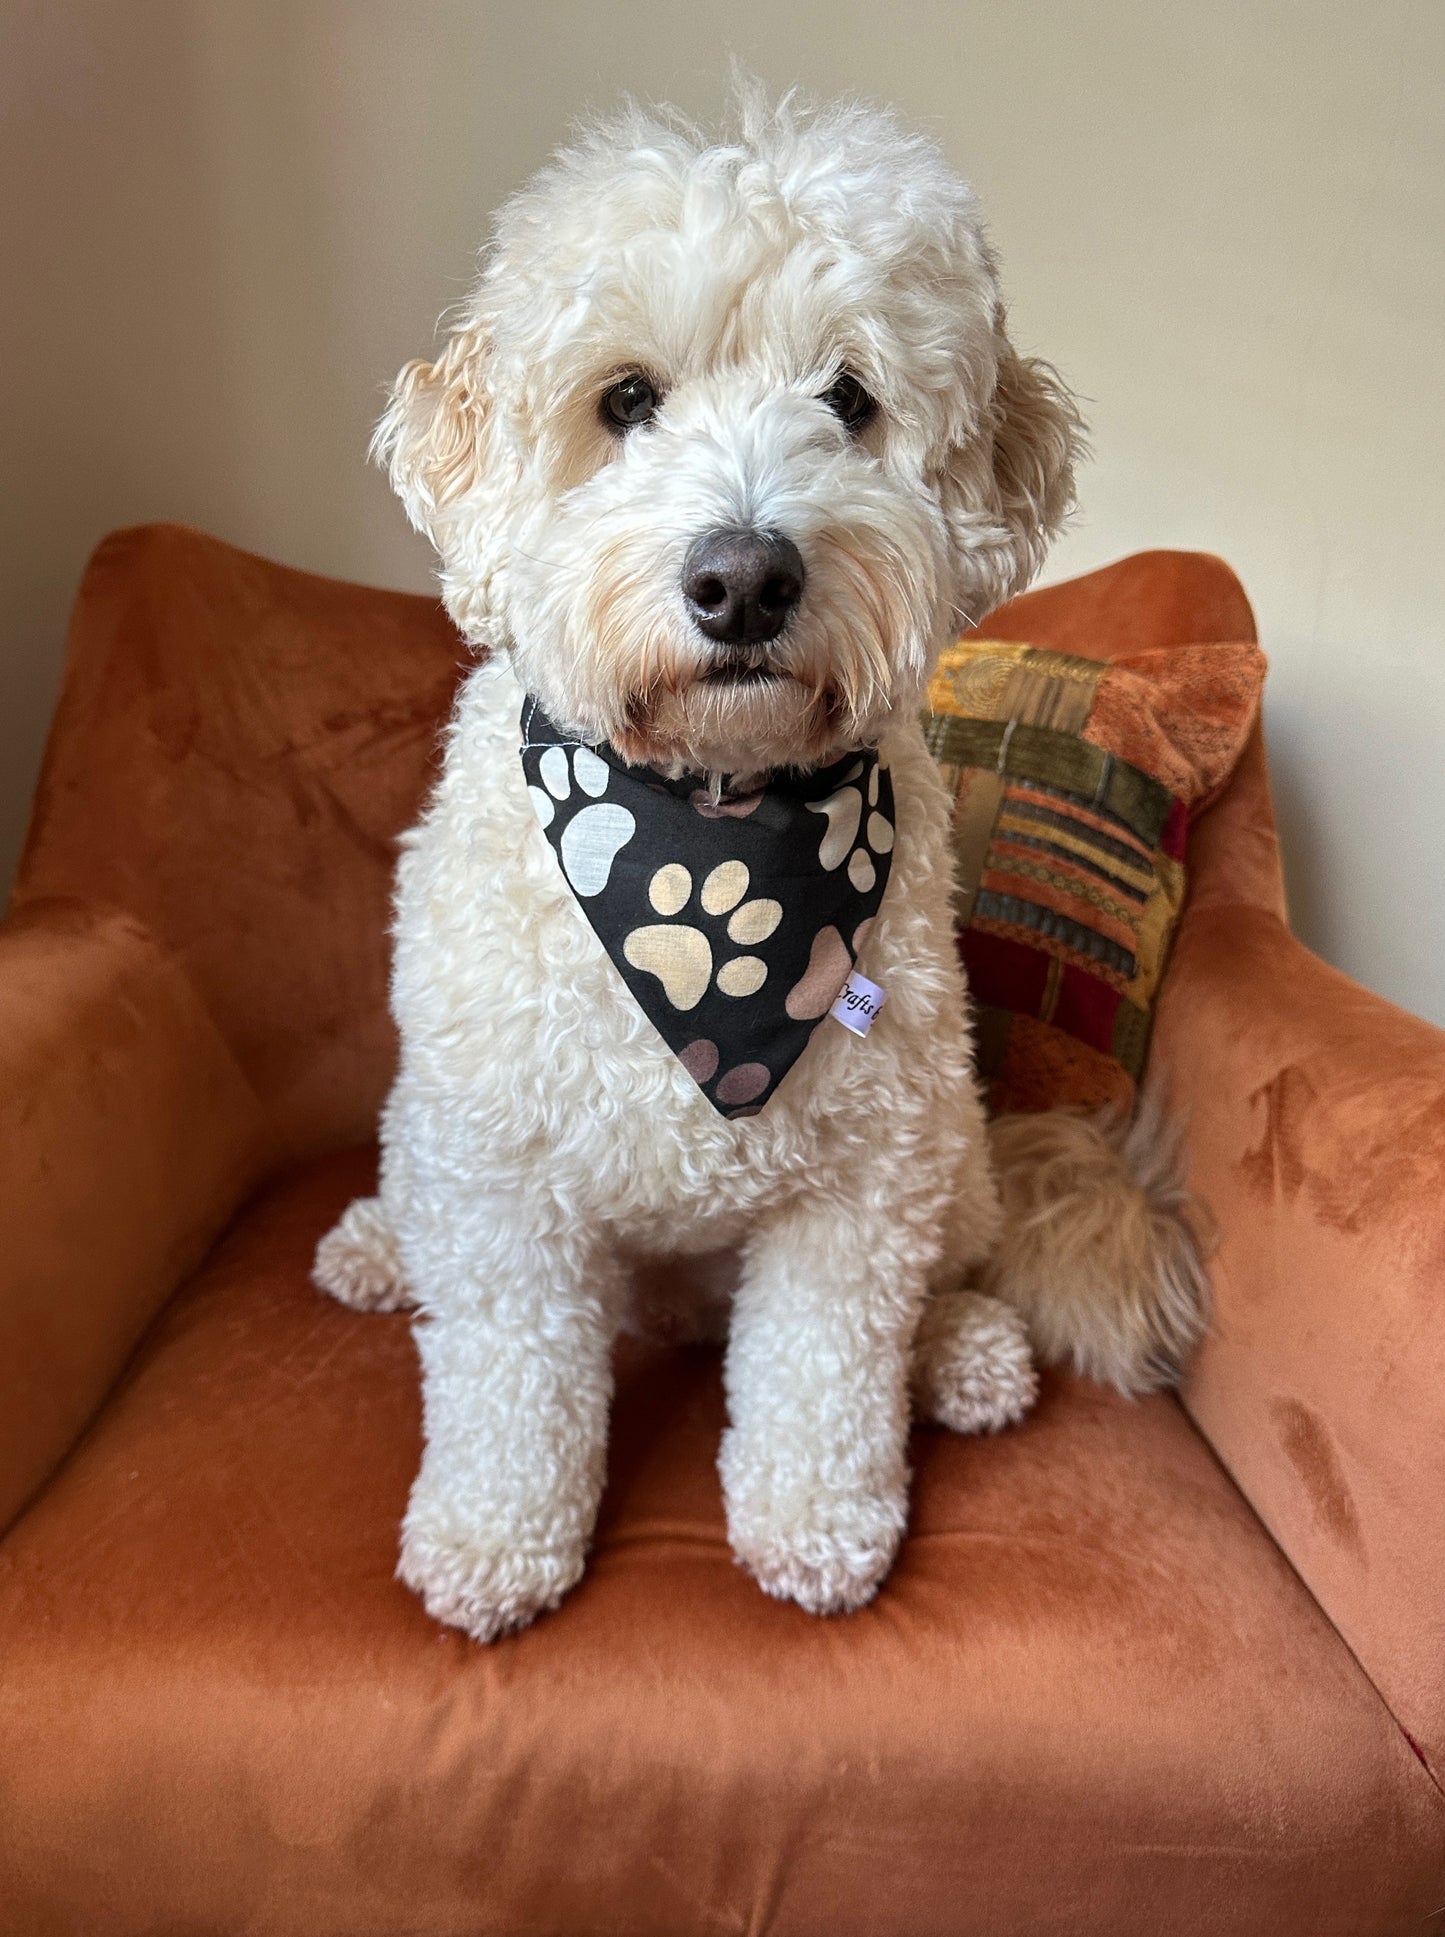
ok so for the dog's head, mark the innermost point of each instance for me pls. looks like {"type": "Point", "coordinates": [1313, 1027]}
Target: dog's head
{"type": "Point", "coordinates": [731, 439]}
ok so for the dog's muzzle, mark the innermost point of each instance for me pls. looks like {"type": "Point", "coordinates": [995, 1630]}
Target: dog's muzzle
{"type": "Point", "coordinates": [741, 588]}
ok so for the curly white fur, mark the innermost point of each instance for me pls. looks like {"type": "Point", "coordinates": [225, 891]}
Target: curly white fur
{"type": "Point", "coordinates": [541, 1138]}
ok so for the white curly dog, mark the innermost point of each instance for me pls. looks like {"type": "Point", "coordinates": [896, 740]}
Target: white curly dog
{"type": "Point", "coordinates": [790, 345]}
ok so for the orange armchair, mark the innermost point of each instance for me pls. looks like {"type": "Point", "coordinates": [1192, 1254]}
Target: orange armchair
{"type": "Point", "coordinates": [1142, 1667]}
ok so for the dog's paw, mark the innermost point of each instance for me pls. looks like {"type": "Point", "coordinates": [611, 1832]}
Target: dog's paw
{"type": "Point", "coordinates": [358, 1263]}
{"type": "Point", "coordinates": [484, 1589]}
{"type": "Point", "coordinates": [973, 1368]}
{"type": "Point", "coordinates": [831, 1557]}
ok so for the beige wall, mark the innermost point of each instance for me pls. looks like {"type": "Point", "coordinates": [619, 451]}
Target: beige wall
{"type": "Point", "coordinates": [225, 225]}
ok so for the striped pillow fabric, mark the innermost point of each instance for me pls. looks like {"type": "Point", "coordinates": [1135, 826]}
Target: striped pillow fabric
{"type": "Point", "coordinates": [1074, 780]}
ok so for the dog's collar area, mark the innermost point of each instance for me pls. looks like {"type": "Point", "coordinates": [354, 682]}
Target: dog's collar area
{"type": "Point", "coordinates": [735, 911]}
{"type": "Point", "coordinates": [685, 780]}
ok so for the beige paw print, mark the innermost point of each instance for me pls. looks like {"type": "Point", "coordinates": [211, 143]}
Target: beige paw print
{"type": "Point", "coordinates": [680, 954]}
{"type": "Point", "coordinates": [844, 810]}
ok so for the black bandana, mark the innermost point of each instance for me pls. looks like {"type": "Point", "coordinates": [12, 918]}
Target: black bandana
{"type": "Point", "coordinates": [734, 924]}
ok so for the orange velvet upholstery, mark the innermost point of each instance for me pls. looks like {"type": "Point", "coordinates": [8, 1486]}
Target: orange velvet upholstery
{"type": "Point", "coordinates": [236, 749]}
{"type": "Point", "coordinates": [127, 1136]}
{"type": "Point", "coordinates": [1095, 1697]}
{"type": "Point", "coordinates": [1091, 1695]}
{"type": "Point", "coordinates": [1318, 1137]}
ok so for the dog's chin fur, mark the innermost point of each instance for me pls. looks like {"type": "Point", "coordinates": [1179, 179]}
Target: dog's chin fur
{"type": "Point", "coordinates": [738, 727]}
{"type": "Point", "coordinates": [541, 1138]}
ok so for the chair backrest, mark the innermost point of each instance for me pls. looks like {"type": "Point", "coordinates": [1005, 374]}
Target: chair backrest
{"type": "Point", "coordinates": [238, 746]}
{"type": "Point", "coordinates": [236, 749]}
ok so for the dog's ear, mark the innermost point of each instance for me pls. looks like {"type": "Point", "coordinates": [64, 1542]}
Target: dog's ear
{"type": "Point", "coordinates": [1037, 433]}
{"type": "Point", "coordinates": [1009, 487]}
{"type": "Point", "coordinates": [432, 437]}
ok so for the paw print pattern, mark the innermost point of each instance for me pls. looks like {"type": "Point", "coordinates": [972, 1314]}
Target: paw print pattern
{"type": "Point", "coordinates": [681, 954]}
{"type": "Point", "coordinates": [590, 842]}
{"type": "Point", "coordinates": [734, 920]}
{"type": "Point", "coordinates": [844, 811]}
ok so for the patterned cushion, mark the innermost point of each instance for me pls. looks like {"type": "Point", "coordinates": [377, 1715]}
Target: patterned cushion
{"type": "Point", "coordinates": [1074, 781]}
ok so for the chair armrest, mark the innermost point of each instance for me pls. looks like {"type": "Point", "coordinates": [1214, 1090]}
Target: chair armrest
{"type": "Point", "coordinates": [127, 1138]}
{"type": "Point", "coordinates": [1316, 1126]}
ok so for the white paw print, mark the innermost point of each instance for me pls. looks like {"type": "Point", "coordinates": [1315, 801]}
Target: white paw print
{"type": "Point", "coordinates": [594, 837]}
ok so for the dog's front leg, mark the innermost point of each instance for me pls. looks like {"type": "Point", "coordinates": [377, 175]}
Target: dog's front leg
{"type": "Point", "coordinates": [814, 1461]}
{"type": "Point", "coordinates": [515, 1346]}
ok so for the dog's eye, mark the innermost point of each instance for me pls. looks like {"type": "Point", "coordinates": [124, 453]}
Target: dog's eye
{"type": "Point", "coordinates": [630, 402]}
{"type": "Point", "coordinates": [849, 402]}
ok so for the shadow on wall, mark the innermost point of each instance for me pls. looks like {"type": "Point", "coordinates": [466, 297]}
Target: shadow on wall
{"type": "Point", "coordinates": [1345, 867]}
{"type": "Point", "coordinates": [171, 329]}
{"type": "Point", "coordinates": [106, 228]}
{"type": "Point", "coordinates": [1305, 868]}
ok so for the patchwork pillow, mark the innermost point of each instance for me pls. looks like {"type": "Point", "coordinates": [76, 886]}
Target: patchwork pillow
{"type": "Point", "coordinates": [1074, 781]}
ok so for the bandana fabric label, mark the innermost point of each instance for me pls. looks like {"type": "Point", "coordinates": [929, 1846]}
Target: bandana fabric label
{"type": "Point", "coordinates": [858, 1005]}
{"type": "Point", "coordinates": [735, 924]}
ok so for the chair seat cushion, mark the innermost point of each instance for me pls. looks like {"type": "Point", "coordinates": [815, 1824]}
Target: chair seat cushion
{"type": "Point", "coordinates": [1092, 1697]}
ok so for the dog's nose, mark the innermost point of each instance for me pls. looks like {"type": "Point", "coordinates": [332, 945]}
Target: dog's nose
{"type": "Point", "coordinates": [740, 586]}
